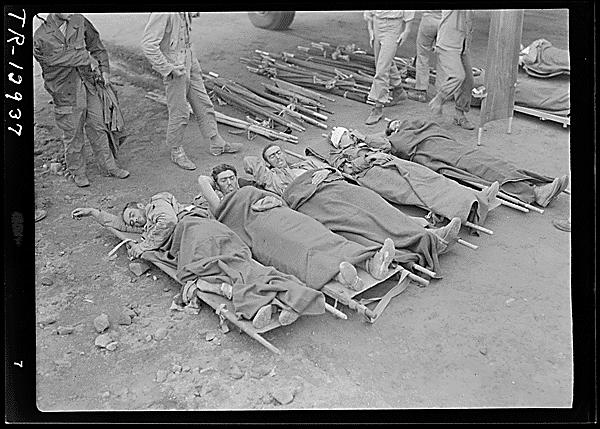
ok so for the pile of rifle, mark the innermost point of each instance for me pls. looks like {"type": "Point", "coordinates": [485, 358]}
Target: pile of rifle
{"type": "Point", "coordinates": [278, 106]}
{"type": "Point", "coordinates": [251, 126]}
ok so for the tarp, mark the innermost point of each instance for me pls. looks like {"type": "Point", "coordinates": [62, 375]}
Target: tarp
{"type": "Point", "coordinates": [208, 249]}
{"type": "Point", "coordinates": [405, 182]}
{"type": "Point", "coordinates": [287, 240]}
{"type": "Point", "coordinates": [362, 216]}
{"type": "Point", "coordinates": [427, 143]}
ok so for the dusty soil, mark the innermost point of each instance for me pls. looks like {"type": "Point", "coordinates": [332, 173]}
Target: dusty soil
{"type": "Point", "coordinates": [494, 332]}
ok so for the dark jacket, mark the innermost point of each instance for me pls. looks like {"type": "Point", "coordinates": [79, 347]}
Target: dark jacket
{"type": "Point", "coordinates": [65, 60]}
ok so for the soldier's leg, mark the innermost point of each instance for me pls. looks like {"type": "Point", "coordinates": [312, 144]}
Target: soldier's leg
{"type": "Point", "coordinates": [201, 103]}
{"type": "Point", "coordinates": [462, 96]}
{"type": "Point", "coordinates": [70, 120]}
{"type": "Point", "coordinates": [426, 37]}
{"type": "Point", "coordinates": [387, 32]}
{"type": "Point", "coordinates": [97, 134]}
{"type": "Point", "coordinates": [176, 88]}
{"type": "Point", "coordinates": [451, 68]}
{"type": "Point", "coordinates": [205, 113]}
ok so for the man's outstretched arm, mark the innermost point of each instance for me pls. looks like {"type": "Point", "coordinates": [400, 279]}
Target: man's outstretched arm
{"type": "Point", "coordinates": [105, 219]}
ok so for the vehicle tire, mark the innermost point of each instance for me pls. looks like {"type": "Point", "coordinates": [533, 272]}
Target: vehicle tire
{"type": "Point", "coordinates": [272, 20]}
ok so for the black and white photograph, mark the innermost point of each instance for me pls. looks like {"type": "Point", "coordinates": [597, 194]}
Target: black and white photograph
{"type": "Point", "coordinates": [319, 211]}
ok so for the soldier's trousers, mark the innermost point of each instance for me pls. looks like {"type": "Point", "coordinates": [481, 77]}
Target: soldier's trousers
{"type": "Point", "coordinates": [455, 77]}
{"type": "Point", "coordinates": [180, 90]}
{"type": "Point", "coordinates": [87, 113]}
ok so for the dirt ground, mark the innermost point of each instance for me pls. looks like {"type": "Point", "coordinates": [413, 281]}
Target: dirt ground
{"type": "Point", "coordinates": [495, 332]}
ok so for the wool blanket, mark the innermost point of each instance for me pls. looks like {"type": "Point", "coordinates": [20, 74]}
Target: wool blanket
{"type": "Point", "coordinates": [208, 249]}
{"type": "Point", "coordinates": [427, 143]}
{"type": "Point", "coordinates": [288, 240]}
{"type": "Point", "coordinates": [362, 216]}
{"type": "Point", "coordinates": [407, 183]}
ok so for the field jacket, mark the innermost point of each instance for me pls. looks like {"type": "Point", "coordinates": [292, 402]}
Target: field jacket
{"type": "Point", "coordinates": [167, 41]}
{"type": "Point", "coordinates": [66, 59]}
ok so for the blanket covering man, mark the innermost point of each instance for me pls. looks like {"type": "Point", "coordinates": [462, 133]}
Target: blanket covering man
{"type": "Point", "coordinates": [182, 237]}
{"type": "Point", "coordinates": [428, 144]}
{"type": "Point", "coordinates": [365, 158]}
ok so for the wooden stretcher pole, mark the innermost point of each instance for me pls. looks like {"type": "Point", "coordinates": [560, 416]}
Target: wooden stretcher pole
{"type": "Point", "coordinates": [418, 279]}
{"type": "Point", "coordinates": [514, 206]}
{"type": "Point", "coordinates": [502, 195]}
{"type": "Point", "coordinates": [467, 244]}
{"type": "Point", "coordinates": [424, 270]}
{"type": "Point", "coordinates": [335, 312]}
{"type": "Point", "coordinates": [248, 331]}
{"type": "Point", "coordinates": [349, 302]}
{"type": "Point", "coordinates": [478, 227]}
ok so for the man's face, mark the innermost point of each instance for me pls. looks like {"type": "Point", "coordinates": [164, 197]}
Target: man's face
{"type": "Point", "coordinates": [65, 16]}
{"type": "Point", "coordinates": [135, 216]}
{"type": "Point", "coordinates": [275, 157]}
{"type": "Point", "coordinates": [227, 182]}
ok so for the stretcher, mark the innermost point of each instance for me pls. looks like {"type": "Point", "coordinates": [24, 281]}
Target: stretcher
{"type": "Point", "coordinates": [334, 290]}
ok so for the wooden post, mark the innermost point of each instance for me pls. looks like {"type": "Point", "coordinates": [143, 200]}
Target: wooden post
{"type": "Point", "coordinates": [506, 27]}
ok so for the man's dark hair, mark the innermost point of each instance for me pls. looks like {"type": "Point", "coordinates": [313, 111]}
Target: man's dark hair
{"type": "Point", "coordinates": [129, 205]}
{"type": "Point", "coordinates": [266, 148]}
{"type": "Point", "coordinates": [218, 169]}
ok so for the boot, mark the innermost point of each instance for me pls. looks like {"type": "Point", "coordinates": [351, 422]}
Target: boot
{"type": "Point", "coordinates": [462, 121]}
{"type": "Point", "coordinates": [490, 192]}
{"type": "Point", "coordinates": [288, 316]}
{"type": "Point", "coordinates": [218, 146]}
{"type": "Point", "coordinates": [448, 234]}
{"type": "Point", "coordinates": [418, 95]}
{"type": "Point", "coordinates": [118, 172]}
{"type": "Point", "coordinates": [563, 225]}
{"type": "Point", "coordinates": [398, 95]}
{"type": "Point", "coordinates": [376, 114]}
{"type": "Point", "coordinates": [81, 180]}
{"type": "Point", "coordinates": [348, 276]}
{"type": "Point", "coordinates": [378, 265]}
{"type": "Point", "coordinates": [263, 317]}
{"type": "Point", "coordinates": [179, 157]}
{"type": "Point", "coordinates": [545, 194]}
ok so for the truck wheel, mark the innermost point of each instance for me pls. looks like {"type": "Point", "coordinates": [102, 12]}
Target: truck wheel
{"type": "Point", "coordinates": [272, 20]}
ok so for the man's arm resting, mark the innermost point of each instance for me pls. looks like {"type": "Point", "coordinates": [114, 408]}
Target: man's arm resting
{"type": "Point", "coordinates": [105, 219]}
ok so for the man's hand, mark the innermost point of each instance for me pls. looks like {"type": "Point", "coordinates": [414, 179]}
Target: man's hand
{"type": "Point", "coordinates": [380, 156]}
{"type": "Point", "coordinates": [80, 212]}
{"type": "Point", "coordinates": [134, 251]}
{"type": "Point", "coordinates": [403, 37]}
{"type": "Point", "coordinates": [106, 78]}
{"type": "Point", "coordinates": [178, 70]}
{"type": "Point", "coordinates": [319, 176]}
{"type": "Point", "coordinates": [371, 35]}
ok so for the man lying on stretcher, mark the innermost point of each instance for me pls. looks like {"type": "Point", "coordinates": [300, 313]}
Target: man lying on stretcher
{"type": "Point", "coordinates": [288, 240]}
{"type": "Point", "coordinates": [355, 212]}
{"type": "Point", "coordinates": [211, 257]}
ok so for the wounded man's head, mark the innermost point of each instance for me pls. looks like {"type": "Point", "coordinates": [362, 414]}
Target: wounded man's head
{"type": "Point", "coordinates": [273, 156]}
{"type": "Point", "coordinates": [134, 214]}
{"type": "Point", "coordinates": [225, 177]}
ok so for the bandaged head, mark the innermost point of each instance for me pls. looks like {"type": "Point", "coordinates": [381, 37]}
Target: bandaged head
{"type": "Point", "coordinates": [337, 137]}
